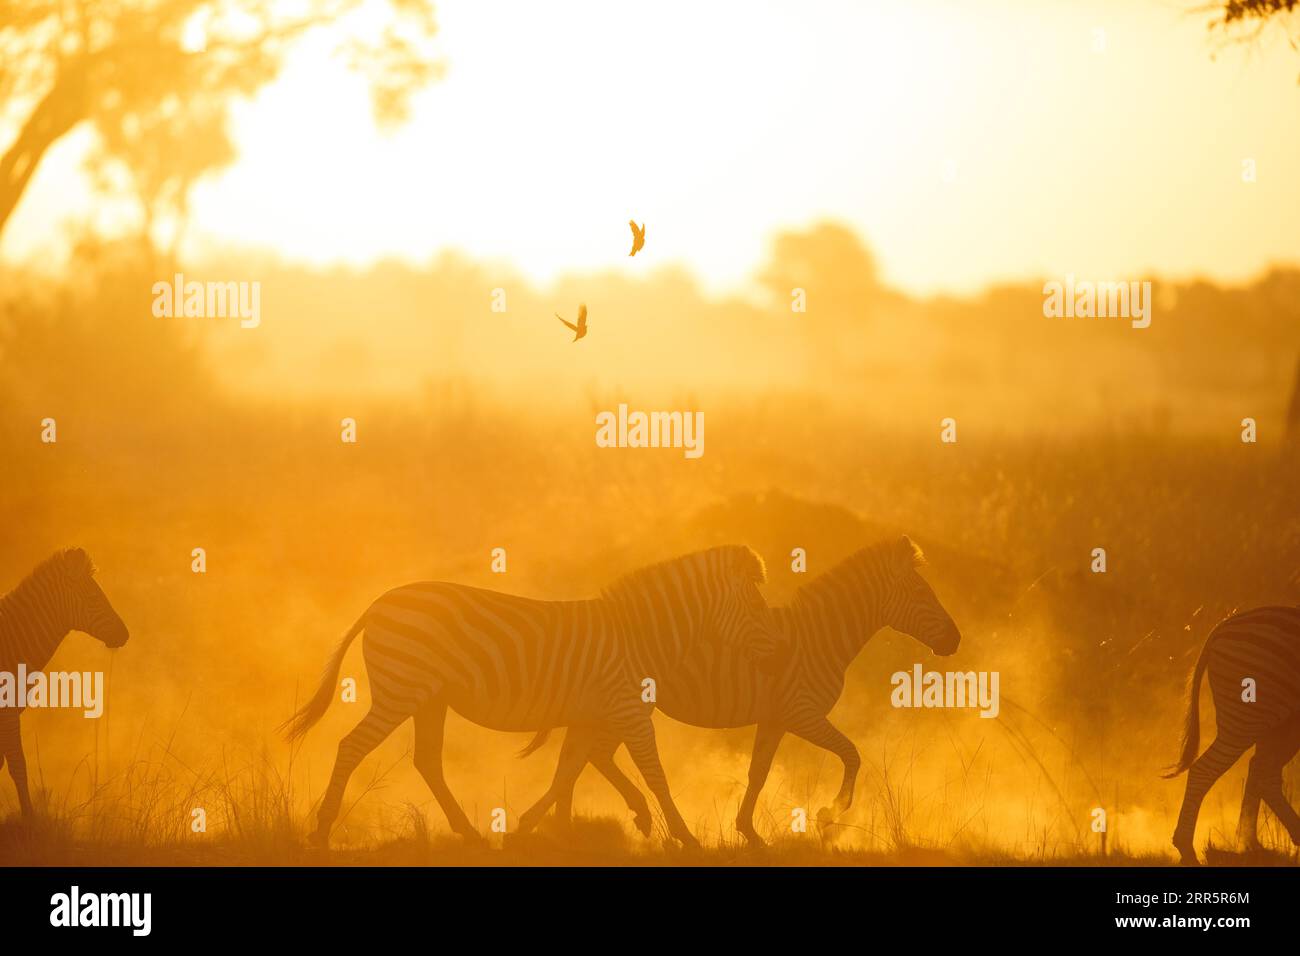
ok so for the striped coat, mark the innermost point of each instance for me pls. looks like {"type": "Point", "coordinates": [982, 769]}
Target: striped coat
{"type": "Point", "coordinates": [513, 663]}
{"type": "Point", "coordinates": [59, 596]}
{"type": "Point", "coordinates": [827, 624]}
{"type": "Point", "coordinates": [1253, 662]}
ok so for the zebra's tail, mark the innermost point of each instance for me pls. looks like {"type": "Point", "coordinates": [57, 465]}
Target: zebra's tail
{"type": "Point", "coordinates": [307, 715]}
{"type": "Point", "coordinates": [535, 744]}
{"type": "Point", "coordinates": [1192, 719]}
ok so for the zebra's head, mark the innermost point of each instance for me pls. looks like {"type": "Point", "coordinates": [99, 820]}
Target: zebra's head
{"type": "Point", "coordinates": [740, 616]}
{"type": "Point", "coordinates": [88, 608]}
{"type": "Point", "coordinates": [910, 603]}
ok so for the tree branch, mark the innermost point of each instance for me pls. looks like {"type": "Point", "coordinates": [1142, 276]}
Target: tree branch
{"type": "Point", "coordinates": [62, 108]}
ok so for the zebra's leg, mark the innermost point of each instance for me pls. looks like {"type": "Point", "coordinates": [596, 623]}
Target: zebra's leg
{"type": "Point", "coordinates": [602, 758]}
{"type": "Point", "coordinates": [1248, 818]}
{"type": "Point", "coordinates": [1272, 753]}
{"type": "Point", "coordinates": [766, 739]}
{"type": "Point", "coordinates": [564, 799]}
{"type": "Point", "coordinates": [373, 729]}
{"type": "Point", "coordinates": [639, 735]}
{"type": "Point", "coordinates": [827, 736]}
{"type": "Point", "coordinates": [430, 722]}
{"type": "Point", "coordinates": [573, 757]}
{"type": "Point", "coordinates": [1206, 769]}
{"type": "Point", "coordinates": [11, 751]}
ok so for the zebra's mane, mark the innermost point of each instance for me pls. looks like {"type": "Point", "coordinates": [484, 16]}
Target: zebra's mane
{"type": "Point", "coordinates": [883, 556]}
{"type": "Point", "coordinates": [742, 559]}
{"type": "Point", "coordinates": [75, 560]}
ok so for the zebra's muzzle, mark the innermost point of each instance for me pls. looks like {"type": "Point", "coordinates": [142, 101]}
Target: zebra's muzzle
{"type": "Point", "coordinates": [946, 641]}
{"type": "Point", "coordinates": [115, 636]}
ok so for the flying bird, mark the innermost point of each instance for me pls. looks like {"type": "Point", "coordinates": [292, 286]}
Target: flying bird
{"type": "Point", "coordinates": [581, 328]}
{"type": "Point", "coordinates": [638, 236]}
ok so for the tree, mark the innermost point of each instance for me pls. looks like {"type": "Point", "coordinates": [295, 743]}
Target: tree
{"type": "Point", "coordinates": [155, 78]}
{"type": "Point", "coordinates": [1263, 12]}
{"type": "Point", "coordinates": [1241, 10]}
{"type": "Point", "coordinates": [838, 275]}
{"type": "Point", "coordinates": [829, 257]}
{"type": "Point", "coordinates": [1235, 15]}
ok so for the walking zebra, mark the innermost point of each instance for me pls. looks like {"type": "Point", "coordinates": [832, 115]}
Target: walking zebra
{"type": "Point", "coordinates": [826, 625]}
{"type": "Point", "coordinates": [59, 596]}
{"type": "Point", "coordinates": [1261, 646]}
{"type": "Point", "coordinates": [513, 663]}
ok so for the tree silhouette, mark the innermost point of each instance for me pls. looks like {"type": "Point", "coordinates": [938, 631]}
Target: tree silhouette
{"type": "Point", "coordinates": [1237, 10]}
{"type": "Point", "coordinates": [839, 274]}
{"type": "Point", "coordinates": [1236, 15]}
{"type": "Point", "coordinates": [1262, 12]}
{"type": "Point", "coordinates": [156, 78]}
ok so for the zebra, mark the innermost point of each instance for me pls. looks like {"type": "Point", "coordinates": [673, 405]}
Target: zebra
{"type": "Point", "coordinates": [60, 595]}
{"type": "Point", "coordinates": [517, 664]}
{"type": "Point", "coordinates": [1262, 645]}
{"type": "Point", "coordinates": [826, 625]}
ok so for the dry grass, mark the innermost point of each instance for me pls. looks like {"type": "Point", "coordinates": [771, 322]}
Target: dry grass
{"type": "Point", "coordinates": [134, 820]}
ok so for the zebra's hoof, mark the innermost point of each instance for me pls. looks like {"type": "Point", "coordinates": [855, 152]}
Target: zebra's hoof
{"type": "Point", "coordinates": [689, 842]}
{"type": "Point", "coordinates": [825, 816]}
{"type": "Point", "coordinates": [753, 841]}
{"type": "Point", "coordinates": [320, 839]}
{"type": "Point", "coordinates": [1187, 855]}
{"type": "Point", "coordinates": [643, 823]}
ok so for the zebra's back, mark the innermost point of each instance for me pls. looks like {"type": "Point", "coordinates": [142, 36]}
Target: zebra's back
{"type": "Point", "coordinates": [503, 661]}
{"type": "Point", "coordinates": [1256, 654]}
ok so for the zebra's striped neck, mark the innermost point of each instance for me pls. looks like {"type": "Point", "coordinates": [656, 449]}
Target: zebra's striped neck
{"type": "Point", "coordinates": [836, 613]}
{"type": "Point", "coordinates": [34, 618]}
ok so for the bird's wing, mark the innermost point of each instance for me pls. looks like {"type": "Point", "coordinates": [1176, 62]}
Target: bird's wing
{"type": "Point", "coordinates": [632, 223]}
{"type": "Point", "coordinates": [582, 314]}
{"type": "Point", "coordinates": [569, 324]}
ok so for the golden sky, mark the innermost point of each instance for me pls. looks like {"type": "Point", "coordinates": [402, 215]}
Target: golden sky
{"type": "Point", "coordinates": [967, 142]}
